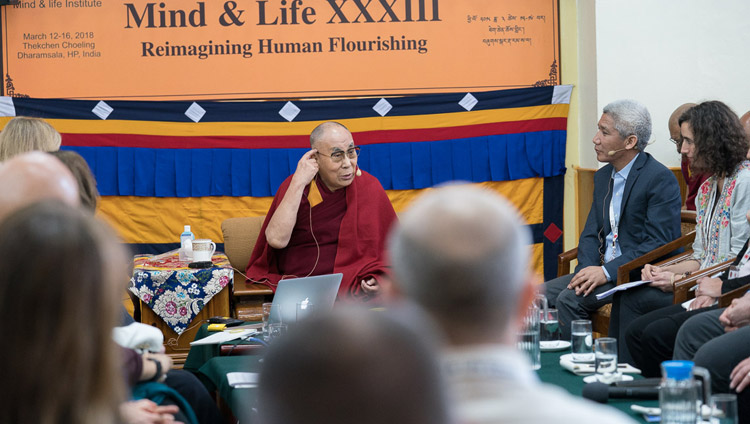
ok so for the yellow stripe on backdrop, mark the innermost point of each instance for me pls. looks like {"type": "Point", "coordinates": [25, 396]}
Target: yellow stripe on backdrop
{"type": "Point", "coordinates": [187, 129]}
{"type": "Point", "coordinates": [153, 220]}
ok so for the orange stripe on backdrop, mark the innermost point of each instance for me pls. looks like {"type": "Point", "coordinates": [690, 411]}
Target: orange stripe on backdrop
{"type": "Point", "coordinates": [152, 220]}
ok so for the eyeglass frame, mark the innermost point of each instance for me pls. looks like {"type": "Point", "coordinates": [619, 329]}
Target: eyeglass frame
{"type": "Point", "coordinates": [355, 150]}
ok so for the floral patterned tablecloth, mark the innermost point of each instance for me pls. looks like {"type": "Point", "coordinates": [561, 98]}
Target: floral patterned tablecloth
{"type": "Point", "coordinates": [175, 292]}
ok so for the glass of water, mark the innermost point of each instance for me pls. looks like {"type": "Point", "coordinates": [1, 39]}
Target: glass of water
{"type": "Point", "coordinates": [528, 337]}
{"type": "Point", "coordinates": [550, 326]}
{"type": "Point", "coordinates": [724, 409]}
{"type": "Point", "coordinates": [605, 357]}
{"type": "Point", "coordinates": [581, 340]}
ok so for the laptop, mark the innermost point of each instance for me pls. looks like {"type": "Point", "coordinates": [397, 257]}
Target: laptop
{"type": "Point", "coordinates": [319, 290]}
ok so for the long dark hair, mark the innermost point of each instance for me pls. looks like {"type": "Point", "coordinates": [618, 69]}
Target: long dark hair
{"type": "Point", "coordinates": [60, 271]}
{"type": "Point", "coordinates": [720, 141]}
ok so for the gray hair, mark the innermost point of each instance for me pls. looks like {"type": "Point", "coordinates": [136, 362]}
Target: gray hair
{"type": "Point", "coordinates": [631, 118]}
{"type": "Point", "coordinates": [462, 253]}
{"type": "Point", "coordinates": [321, 130]}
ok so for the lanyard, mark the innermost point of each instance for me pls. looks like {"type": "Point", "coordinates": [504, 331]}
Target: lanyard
{"type": "Point", "coordinates": [614, 224]}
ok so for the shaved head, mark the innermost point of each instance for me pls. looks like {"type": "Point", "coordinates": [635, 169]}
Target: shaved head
{"type": "Point", "coordinates": [745, 121]}
{"type": "Point", "coordinates": [34, 176]}
{"type": "Point", "coordinates": [674, 124]}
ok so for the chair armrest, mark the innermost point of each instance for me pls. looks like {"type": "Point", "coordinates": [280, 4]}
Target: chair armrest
{"type": "Point", "coordinates": [688, 217]}
{"type": "Point", "coordinates": [623, 272]}
{"type": "Point", "coordinates": [727, 298]}
{"type": "Point", "coordinates": [563, 261]}
{"type": "Point", "coordinates": [682, 287]}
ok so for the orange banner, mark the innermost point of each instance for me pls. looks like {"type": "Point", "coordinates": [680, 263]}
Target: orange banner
{"type": "Point", "coordinates": [97, 49]}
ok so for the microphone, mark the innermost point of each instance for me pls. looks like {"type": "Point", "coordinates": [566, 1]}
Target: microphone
{"type": "Point", "coordinates": [359, 173]}
{"type": "Point", "coordinates": [613, 152]}
{"type": "Point", "coordinates": [600, 392]}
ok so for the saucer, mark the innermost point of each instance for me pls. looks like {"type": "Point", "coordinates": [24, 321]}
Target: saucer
{"type": "Point", "coordinates": [569, 357]}
{"type": "Point", "coordinates": [592, 378]}
{"type": "Point", "coordinates": [554, 345]}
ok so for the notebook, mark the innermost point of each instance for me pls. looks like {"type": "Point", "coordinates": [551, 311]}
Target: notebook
{"type": "Point", "coordinates": [320, 291]}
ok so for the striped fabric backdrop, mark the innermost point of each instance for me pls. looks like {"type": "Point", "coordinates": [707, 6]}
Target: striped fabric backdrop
{"type": "Point", "coordinates": [160, 165]}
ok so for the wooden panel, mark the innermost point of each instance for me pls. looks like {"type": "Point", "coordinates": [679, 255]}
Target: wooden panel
{"type": "Point", "coordinates": [178, 346]}
{"type": "Point", "coordinates": [584, 178]}
{"type": "Point", "coordinates": [681, 181]}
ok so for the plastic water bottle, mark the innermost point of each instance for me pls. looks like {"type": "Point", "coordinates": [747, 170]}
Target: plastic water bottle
{"type": "Point", "coordinates": [186, 244]}
{"type": "Point", "coordinates": [678, 394]}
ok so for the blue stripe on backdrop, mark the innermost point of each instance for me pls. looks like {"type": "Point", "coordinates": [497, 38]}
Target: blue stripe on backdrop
{"type": "Point", "coordinates": [311, 110]}
{"type": "Point", "coordinates": [128, 171]}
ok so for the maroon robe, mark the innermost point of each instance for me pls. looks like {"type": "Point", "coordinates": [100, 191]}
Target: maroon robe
{"type": "Point", "coordinates": [693, 182]}
{"type": "Point", "coordinates": [351, 227]}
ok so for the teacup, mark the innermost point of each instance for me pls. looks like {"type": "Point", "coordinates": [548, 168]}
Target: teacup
{"type": "Point", "coordinates": [203, 250]}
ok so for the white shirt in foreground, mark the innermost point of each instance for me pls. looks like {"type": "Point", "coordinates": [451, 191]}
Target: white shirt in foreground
{"type": "Point", "coordinates": [494, 384]}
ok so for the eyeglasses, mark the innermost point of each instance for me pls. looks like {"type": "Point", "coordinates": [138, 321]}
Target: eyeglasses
{"type": "Point", "coordinates": [678, 141]}
{"type": "Point", "coordinates": [351, 153]}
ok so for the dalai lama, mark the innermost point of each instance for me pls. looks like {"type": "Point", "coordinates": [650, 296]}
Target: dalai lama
{"type": "Point", "coordinates": [328, 217]}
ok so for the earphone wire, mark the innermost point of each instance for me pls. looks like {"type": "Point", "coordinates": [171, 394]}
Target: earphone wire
{"type": "Point", "coordinates": [317, 257]}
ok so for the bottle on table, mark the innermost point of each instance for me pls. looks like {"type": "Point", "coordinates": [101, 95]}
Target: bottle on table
{"type": "Point", "coordinates": [186, 245]}
{"type": "Point", "coordinates": [678, 394]}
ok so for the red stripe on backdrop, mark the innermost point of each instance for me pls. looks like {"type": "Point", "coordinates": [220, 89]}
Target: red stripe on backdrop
{"type": "Point", "coordinates": [302, 141]}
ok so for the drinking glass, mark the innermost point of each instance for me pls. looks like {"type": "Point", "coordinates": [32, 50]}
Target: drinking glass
{"type": "Point", "coordinates": [550, 326]}
{"type": "Point", "coordinates": [724, 409]}
{"type": "Point", "coordinates": [276, 330]}
{"type": "Point", "coordinates": [528, 337]}
{"type": "Point", "coordinates": [581, 340]}
{"type": "Point", "coordinates": [605, 357]}
{"type": "Point", "coordinates": [267, 317]}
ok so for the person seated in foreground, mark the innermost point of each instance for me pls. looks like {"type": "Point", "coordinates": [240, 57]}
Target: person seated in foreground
{"type": "Point", "coordinates": [33, 177]}
{"type": "Point", "coordinates": [693, 180]}
{"type": "Point", "coordinates": [25, 134]}
{"type": "Point", "coordinates": [462, 253]}
{"type": "Point", "coordinates": [636, 208]}
{"type": "Point", "coordinates": [727, 355]}
{"type": "Point", "coordinates": [328, 217]}
{"type": "Point", "coordinates": [351, 366]}
{"type": "Point", "coordinates": [714, 141]}
{"type": "Point", "coordinates": [61, 265]}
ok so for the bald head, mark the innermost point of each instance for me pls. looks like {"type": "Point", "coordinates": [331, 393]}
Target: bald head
{"type": "Point", "coordinates": [674, 125]}
{"type": "Point", "coordinates": [463, 254]}
{"type": "Point", "coordinates": [322, 130]}
{"type": "Point", "coordinates": [35, 176]}
{"type": "Point", "coordinates": [351, 366]}
{"type": "Point", "coordinates": [745, 121]}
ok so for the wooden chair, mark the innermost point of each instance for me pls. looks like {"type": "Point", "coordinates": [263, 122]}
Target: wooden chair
{"type": "Point", "coordinates": [240, 236]}
{"type": "Point", "coordinates": [682, 288]}
{"type": "Point", "coordinates": [727, 298]}
{"type": "Point", "coordinates": [600, 318]}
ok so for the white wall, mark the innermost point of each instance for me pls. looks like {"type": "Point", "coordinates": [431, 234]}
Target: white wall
{"type": "Point", "coordinates": [667, 52]}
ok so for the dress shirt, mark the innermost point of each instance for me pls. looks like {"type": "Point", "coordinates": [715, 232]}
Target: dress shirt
{"type": "Point", "coordinates": [618, 189]}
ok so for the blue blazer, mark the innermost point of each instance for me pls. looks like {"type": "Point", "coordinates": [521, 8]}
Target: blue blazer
{"type": "Point", "coordinates": [649, 217]}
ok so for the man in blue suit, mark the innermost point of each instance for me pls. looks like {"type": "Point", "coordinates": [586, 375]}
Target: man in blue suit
{"type": "Point", "coordinates": [636, 208]}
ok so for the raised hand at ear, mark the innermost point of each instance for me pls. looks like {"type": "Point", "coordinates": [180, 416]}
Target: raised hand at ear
{"type": "Point", "coordinates": [307, 168]}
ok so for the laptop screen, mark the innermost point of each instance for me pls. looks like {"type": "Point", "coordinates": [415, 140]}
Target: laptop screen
{"type": "Point", "coordinates": [317, 292]}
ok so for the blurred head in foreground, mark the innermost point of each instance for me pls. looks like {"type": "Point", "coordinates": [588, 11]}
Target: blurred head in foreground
{"type": "Point", "coordinates": [462, 253]}
{"type": "Point", "coordinates": [60, 287]}
{"type": "Point", "coordinates": [351, 366]}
